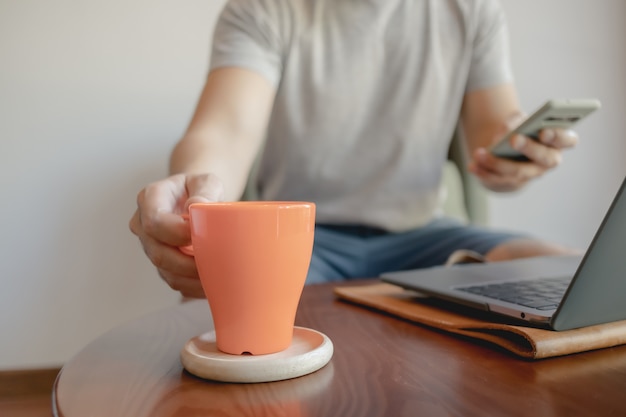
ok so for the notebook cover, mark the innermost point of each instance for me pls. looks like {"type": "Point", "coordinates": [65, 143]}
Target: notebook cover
{"type": "Point", "coordinates": [523, 341]}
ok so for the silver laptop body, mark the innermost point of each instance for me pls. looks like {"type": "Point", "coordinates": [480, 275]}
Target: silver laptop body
{"type": "Point", "coordinates": [594, 293]}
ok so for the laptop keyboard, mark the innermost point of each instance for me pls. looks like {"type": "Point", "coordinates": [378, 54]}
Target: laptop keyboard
{"type": "Point", "coordinates": [542, 294]}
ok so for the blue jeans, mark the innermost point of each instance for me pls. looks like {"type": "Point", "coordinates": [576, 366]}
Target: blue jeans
{"type": "Point", "coordinates": [343, 252]}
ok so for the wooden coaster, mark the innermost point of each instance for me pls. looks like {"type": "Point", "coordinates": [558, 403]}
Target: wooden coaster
{"type": "Point", "coordinates": [310, 350]}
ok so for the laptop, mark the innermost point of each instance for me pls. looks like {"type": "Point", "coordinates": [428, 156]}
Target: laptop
{"type": "Point", "coordinates": [577, 290]}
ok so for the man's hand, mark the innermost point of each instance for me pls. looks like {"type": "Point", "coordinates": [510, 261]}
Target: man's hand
{"type": "Point", "coordinates": [486, 116]}
{"type": "Point", "coordinates": [162, 230]}
{"type": "Point", "coordinates": [499, 174]}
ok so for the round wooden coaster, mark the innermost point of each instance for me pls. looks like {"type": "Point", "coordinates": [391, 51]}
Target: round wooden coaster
{"type": "Point", "coordinates": [310, 350]}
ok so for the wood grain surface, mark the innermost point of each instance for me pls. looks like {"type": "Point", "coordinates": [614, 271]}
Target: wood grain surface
{"type": "Point", "coordinates": [382, 366]}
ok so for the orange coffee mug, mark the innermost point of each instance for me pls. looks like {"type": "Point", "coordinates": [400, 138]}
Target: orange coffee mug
{"type": "Point", "coordinates": [253, 258]}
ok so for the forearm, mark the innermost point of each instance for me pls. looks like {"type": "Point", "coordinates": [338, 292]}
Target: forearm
{"type": "Point", "coordinates": [227, 130]}
{"type": "Point", "coordinates": [487, 115]}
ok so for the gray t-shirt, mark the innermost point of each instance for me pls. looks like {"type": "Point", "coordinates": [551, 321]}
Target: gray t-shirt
{"type": "Point", "coordinates": [368, 96]}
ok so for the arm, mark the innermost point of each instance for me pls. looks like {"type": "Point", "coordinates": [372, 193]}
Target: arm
{"type": "Point", "coordinates": [486, 116]}
{"type": "Point", "coordinates": [210, 163]}
{"type": "Point", "coordinates": [227, 129]}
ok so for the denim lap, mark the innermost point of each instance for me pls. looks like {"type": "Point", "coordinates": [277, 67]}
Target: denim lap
{"type": "Point", "coordinates": [350, 252]}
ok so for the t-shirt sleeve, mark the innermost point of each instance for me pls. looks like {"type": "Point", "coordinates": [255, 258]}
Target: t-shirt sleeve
{"type": "Point", "coordinates": [248, 35]}
{"type": "Point", "coordinates": [491, 64]}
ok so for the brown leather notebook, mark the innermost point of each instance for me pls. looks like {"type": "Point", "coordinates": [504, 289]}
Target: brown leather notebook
{"type": "Point", "coordinates": [527, 342]}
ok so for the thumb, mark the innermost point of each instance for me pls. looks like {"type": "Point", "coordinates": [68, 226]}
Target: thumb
{"type": "Point", "coordinates": [510, 122]}
{"type": "Point", "coordinates": [203, 188]}
{"type": "Point", "coordinates": [514, 120]}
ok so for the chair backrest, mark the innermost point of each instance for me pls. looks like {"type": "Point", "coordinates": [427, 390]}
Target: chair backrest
{"type": "Point", "coordinates": [471, 196]}
{"type": "Point", "coordinates": [466, 198]}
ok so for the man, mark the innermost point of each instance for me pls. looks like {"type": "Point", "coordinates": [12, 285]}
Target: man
{"type": "Point", "coordinates": [352, 104]}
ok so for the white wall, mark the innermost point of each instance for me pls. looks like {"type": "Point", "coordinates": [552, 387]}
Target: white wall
{"type": "Point", "coordinates": [94, 94]}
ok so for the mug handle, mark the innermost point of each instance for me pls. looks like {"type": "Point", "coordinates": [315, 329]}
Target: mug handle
{"type": "Point", "coordinates": [187, 250]}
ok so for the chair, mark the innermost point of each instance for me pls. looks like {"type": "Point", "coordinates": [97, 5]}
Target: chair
{"type": "Point", "coordinates": [467, 198]}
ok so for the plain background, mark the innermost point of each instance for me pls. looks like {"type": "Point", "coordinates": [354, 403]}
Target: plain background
{"type": "Point", "coordinates": [94, 94]}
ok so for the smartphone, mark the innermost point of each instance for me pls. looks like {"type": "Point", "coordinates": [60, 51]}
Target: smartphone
{"type": "Point", "coordinates": [553, 114]}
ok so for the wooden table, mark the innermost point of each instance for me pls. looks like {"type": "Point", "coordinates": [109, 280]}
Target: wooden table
{"type": "Point", "coordinates": [382, 366]}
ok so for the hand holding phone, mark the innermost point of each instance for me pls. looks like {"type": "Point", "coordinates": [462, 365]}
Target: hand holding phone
{"type": "Point", "coordinates": [562, 114]}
